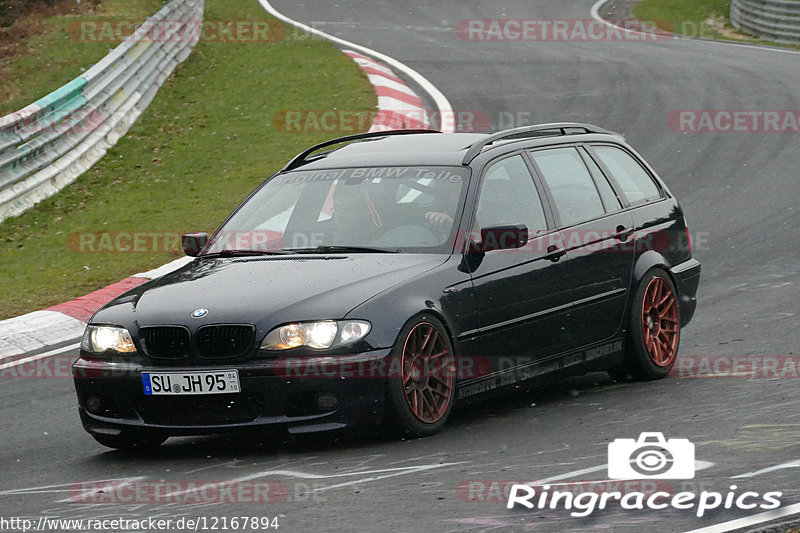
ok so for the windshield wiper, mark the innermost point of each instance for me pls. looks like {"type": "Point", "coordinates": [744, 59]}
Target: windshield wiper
{"type": "Point", "coordinates": [341, 250]}
{"type": "Point", "coordinates": [240, 253]}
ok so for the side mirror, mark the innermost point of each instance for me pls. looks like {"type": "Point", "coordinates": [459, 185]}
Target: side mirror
{"type": "Point", "coordinates": [500, 238]}
{"type": "Point", "coordinates": [193, 243]}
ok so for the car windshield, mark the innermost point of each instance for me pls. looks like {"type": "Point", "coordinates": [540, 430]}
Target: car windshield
{"type": "Point", "coordinates": [375, 209]}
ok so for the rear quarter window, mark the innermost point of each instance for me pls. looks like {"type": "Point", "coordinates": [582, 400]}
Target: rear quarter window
{"type": "Point", "coordinates": [636, 183]}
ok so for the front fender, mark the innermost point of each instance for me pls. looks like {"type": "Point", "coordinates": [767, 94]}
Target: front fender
{"type": "Point", "coordinates": [445, 292]}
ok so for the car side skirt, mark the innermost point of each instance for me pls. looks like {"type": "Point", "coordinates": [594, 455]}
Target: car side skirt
{"type": "Point", "coordinates": [597, 356]}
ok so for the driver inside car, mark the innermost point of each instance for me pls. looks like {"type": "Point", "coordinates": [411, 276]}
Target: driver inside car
{"type": "Point", "coordinates": [355, 218]}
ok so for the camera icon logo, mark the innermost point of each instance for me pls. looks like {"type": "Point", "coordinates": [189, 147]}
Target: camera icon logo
{"type": "Point", "coordinates": [651, 456]}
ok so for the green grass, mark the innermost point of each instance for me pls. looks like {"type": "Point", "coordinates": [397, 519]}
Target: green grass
{"type": "Point", "coordinates": [708, 19]}
{"type": "Point", "coordinates": [203, 144]}
{"type": "Point", "coordinates": [55, 54]}
{"type": "Point", "coordinates": [687, 17]}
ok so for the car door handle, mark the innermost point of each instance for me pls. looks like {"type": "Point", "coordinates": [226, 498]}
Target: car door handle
{"type": "Point", "coordinates": [554, 253]}
{"type": "Point", "coordinates": [623, 233]}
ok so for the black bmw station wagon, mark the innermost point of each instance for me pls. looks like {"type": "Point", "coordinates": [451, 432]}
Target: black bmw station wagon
{"type": "Point", "coordinates": [385, 276]}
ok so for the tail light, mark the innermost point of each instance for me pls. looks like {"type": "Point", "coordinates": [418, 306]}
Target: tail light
{"type": "Point", "coordinates": [688, 238]}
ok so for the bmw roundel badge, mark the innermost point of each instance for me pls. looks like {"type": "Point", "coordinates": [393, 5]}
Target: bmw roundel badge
{"type": "Point", "coordinates": [199, 313]}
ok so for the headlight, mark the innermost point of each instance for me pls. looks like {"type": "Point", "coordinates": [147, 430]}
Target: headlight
{"type": "Point", "coordinates": [99, 339]}
{"type": "Point", "coordinates": [320, 335]}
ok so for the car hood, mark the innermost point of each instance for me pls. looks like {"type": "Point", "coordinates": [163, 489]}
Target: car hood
{"type": "Point", "coordinates": [264, 290]}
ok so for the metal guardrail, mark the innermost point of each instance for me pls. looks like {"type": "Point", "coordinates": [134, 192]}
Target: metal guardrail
{"type": "Point", "coordinates": [772, 20]}
{"type": "Point", "coordinates": [48, 144]}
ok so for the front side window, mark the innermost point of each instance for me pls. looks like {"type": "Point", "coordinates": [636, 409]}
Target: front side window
{"type": "Point", "coordinates": [509, 197]}
{"type": "Point", "coordinates": [395, 209]}
{"type": "Point", "coordinates": [635, 182]}
{"type": "Point", "coordinates": [571, 186]}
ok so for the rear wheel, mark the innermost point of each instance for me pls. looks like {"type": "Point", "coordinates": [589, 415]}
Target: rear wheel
{"type": "Point", "coordinates": [654, 329]}
{"type": "Point", "coordinates": [421, 397]}
{"type": "Point", "coordinates": [125, 441]}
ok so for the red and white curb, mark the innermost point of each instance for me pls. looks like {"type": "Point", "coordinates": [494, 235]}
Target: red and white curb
{"type": "Point", "coordinates": [65, 322]}
{"type": "Point", "coordinates": [440, 103]}
{"type": "Point", "coordinates": [398, 106]}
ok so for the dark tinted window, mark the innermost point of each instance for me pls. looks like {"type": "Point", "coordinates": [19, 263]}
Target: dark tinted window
{"type": "Point", "coordinates": [396, 208]}
{"type": "Point", "coordinates": [610, 200]}
{"type": "Point", "coordinates": [508, 196]}
{"type": "Point", "coordinates": [636, 183]}
{"type": "Point", "coordinates": [570, 184]}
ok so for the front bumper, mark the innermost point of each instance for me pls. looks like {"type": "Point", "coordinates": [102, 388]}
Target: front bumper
{"type": "Point", "coordinates": [687, 280]}
{"type": "Point", "coordinates": [274, 392]}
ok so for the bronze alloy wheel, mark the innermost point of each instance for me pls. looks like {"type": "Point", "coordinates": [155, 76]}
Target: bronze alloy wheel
{"type": "Point", "coordinates": [421, 394]}
{"type": "Point", "coordinates": [428, 373]}
{"type": "Point", "coordinates": [660, 325]}
{"type": "Point", "coordinates": [654, 330]}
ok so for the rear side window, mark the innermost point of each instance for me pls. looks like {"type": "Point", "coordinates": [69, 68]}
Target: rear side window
{"type": "Point", "coordinates": [610, 200]}
{"type": "Point", "coordinates": [570, 184]}
{"type": "Point", "coordinates": [636, 183]}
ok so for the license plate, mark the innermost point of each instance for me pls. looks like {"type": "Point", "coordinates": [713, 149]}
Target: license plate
{"type": "Point", "coordinates": [188, 383]}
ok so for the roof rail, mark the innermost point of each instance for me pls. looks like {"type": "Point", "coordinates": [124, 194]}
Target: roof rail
{"type": "Point", "coordinates": [529, 131]}
{"type": "Point", "coordinates": [303, 158]}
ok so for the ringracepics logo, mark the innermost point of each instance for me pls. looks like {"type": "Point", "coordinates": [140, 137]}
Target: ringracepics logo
{"type": "Point", "coordinates": [652, 457]}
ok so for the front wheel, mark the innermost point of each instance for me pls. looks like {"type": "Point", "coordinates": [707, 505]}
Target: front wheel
{"type": "Point", "coordinates": [654, 329]}
{"type": "Point", "coordinates": [421, 397]}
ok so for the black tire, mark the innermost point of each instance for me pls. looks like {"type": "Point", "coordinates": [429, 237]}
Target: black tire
{"type": "Point", "coordinates": [420, 400]}
{"type": "Point", "coordinates": [126, 441]}
{"type": "Point", "coordinates": [654, 329]}
{"type": "Point", "coordinates": [620, 373]}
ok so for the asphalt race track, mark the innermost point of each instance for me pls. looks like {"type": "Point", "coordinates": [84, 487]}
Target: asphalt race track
{"type": "Point", "coordinates": [740, 192]}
